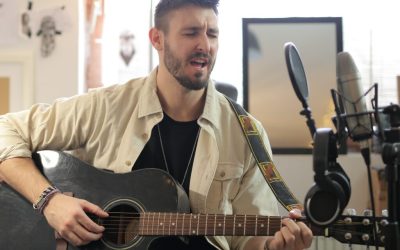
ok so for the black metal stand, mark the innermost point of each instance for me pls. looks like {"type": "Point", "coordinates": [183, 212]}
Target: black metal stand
{"type": "Point", "coordinates": [391, 157]}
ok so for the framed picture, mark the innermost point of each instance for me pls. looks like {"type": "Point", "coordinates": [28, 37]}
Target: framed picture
{"type": "Point", "coordinates": [16, 72]}
{"type": "Point", "coordinates": [267, 90]}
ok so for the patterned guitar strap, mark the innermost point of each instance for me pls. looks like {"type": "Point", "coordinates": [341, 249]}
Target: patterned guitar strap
{"type": "Point", "coordinates": [263, 159]}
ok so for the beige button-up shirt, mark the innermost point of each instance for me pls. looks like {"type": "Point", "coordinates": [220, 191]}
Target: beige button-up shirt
{"type": "Point", "coordinates": [112, 125]}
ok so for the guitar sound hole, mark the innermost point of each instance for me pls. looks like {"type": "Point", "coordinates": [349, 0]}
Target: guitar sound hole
{"type": "Point", "coordinates": [121, 227]}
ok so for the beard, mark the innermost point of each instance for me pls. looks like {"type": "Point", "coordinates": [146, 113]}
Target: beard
{"type": "Point", "coordinates": [175, 68]}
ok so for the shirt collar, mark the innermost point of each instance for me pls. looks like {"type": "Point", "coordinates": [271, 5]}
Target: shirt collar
{"type": "Point", "coordinates": [149, 103]}
{"type": "Point", "coordinates": [211, 111]}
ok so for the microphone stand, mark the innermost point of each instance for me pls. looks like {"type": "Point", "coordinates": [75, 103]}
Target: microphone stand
{"type": "Point", "coordinates": [391, 157]}
{"type": "Point", "coordinates": [310, 121]}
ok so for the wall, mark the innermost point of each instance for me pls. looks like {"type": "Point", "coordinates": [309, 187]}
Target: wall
{"type": "Point", "coordinates": [57, 75]}
{"type": "Point", "coordinates": [297, 171]}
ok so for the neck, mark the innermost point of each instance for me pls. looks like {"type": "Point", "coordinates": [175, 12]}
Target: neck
{"type": "Point", "coordinates": [180, 103]}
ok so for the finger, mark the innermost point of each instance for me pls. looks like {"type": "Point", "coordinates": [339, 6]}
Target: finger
{"type": "Point", "coordinates": [86, 236]}
{"type": "Point", "coordinates": [288, 237]}
{"type": "Point", "coordinates": [277, 242]}
{"type": "Point", "coordinates": [88, 223]}
{"type": "Point", "coordinates": [71, 237]}
{"type": "Point", "coordinates": [295, 213]}
{"type": "Point", "coordinates": [306, 234]}
{"type": "Point", "coordinates": [94, 209]}
{"type": "Point", "coordinates": [292, 226]}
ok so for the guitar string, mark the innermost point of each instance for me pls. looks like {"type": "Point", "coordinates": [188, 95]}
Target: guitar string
{"type": "Point", "coordinates": [202, 224]}
{"type": "Point", "coordinates": [190, 158]}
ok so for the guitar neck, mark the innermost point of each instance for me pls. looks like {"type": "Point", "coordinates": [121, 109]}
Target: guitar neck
{"type": "Point", "coordinates": [176, 224]}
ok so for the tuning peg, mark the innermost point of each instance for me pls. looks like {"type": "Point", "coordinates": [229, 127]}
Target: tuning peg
{"type": "Point", "coordinates": [348, 236]}
{"type": "Point", "coordinates": [365, 237]}
{"type": "Point", "coordinates": [385, 213]}
{"type": "Point", "coordinates": [350, 211]}
{"type": "Point", "coordinates": [367, 212]}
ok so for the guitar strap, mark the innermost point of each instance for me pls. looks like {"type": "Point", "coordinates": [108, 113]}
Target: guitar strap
{"type": "Point", "coordinates": [263, 159]}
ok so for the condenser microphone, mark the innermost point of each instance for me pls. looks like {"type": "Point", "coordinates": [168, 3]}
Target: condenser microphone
{"type": "Point", "coordinates": [350, 88]}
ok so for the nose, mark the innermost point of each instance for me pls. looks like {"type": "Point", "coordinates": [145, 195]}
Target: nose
{"type": "Point", "coordinates": [204, 44]}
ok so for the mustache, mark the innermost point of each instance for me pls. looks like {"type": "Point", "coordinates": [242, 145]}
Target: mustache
{"type": "Point", "coordinates": [200, 55]}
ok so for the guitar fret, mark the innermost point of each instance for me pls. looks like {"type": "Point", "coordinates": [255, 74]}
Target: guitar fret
{"type": "Point", "coordinates": [255, 228]}
{"type": "Point", "coordinates": [152, 224]}
{"type": "Point", "coordinates": [205, 229]}
{"type": "Point", "coordinates": [164, 223]}
{"type": "Point", "coordinates": [183, 223]}
{"type": "Point", "coordinates": [215, 222]}
{"type": "Point", "coordinates": [223, 229]}
{"type": "Point", "coordinates": [198, 222]}
{"type": "Point", "coordinates": [169, 224]}
{"type": "Point", "coordinates": [190, 224]}
{"type": "Point", "coordinates": [244, 226]}
{"type": "Point", "coordinates": [176, 224]}
{"type": "Point", "coordinates": [158, 223]}
{"type": "Point", "coordinates": [234, 221]}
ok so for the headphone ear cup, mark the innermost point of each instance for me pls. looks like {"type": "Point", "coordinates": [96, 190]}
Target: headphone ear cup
{"type": "Point", "coordinates": [343, 187]}
{"type": "Point", "coordinates": [324, 202]}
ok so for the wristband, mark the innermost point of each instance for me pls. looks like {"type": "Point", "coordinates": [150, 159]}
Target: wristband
{"type": "Point", "coordinates": [44, 198]}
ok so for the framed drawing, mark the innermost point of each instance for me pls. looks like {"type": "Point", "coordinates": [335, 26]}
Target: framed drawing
{"type": "Point", "coordinates": [4, 95]}
{"type": "Point", "coordinates": [17, 68]}
{"type": "Point", "coordinates": [267, 90]}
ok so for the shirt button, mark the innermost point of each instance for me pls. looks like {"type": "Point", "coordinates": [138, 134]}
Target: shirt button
{"type": "Point", "coordinates": [222, 174]}
{"type": "Point", "coordinates": [128, 163]}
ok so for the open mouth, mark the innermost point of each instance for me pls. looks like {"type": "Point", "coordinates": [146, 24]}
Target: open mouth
{"type": "Point", "coordinates": [199, 62]}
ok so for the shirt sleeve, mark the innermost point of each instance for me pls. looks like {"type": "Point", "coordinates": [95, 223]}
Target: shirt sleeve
{"type": "Point", "coordinates": [60, 126]}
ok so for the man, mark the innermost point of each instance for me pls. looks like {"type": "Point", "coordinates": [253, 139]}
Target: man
{"type": "Point", "coordinates": [174, 118]}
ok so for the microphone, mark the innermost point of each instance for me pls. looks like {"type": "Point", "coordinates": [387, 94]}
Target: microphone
{"type": "Point", "coordinates": [358, 121]}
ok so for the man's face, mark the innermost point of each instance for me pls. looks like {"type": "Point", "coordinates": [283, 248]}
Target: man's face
{"type": "Point", "coordinates": [191, 45]}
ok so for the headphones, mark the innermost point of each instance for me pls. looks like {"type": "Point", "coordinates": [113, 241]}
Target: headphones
{"type": "Point", "coordinates": [330, 194]}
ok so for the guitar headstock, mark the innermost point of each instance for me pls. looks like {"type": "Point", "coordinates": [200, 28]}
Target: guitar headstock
{"type": "Point", "coordinates": [352, 229]}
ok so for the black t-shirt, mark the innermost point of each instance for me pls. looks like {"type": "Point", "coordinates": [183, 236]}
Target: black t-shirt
{"type": "Point", "coordinates": [178, 140]}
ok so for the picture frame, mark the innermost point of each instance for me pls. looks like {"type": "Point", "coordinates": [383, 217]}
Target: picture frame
{"type": "Point", "coordinates": [21, 88]}
{"type": "Point", "coordinates": [267, 90]}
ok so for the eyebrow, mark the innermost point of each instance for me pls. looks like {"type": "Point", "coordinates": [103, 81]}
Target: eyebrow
{"type": "Point", "coordinates": [195, 28]}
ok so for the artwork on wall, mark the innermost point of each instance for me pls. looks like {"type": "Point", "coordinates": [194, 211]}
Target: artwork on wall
{"type": "Point", "coordinates": [9, 16]}
{"type": "Point", "coordinates": [267, 90]}
{"type": "Point", "coordinates": [50, 23]}
{"type": "Point", "coordinates": [17, 68]}
{"type": "Point", "coordinates": [127, 47]}
{"type": "Point", "coordinates": [4, 95]}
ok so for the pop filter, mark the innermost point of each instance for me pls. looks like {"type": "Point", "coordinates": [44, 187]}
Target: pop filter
{"type": "Point", "coordinates": [299, 82]}
{"type": "Point", "coordinates": [296, 73]}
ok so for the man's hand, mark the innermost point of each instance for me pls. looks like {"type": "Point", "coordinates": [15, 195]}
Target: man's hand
{"type": "Point", "coordinates": [293, 236]}
{"type": "Point", "coordinates": [67, 215]}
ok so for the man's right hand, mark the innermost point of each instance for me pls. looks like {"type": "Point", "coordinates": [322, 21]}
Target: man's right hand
{"type": "Point", "coordinates": [67, 215]}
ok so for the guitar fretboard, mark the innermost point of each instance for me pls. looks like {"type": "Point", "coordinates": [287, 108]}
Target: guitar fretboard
{"type": "Point", "coordinates": [157, 223]}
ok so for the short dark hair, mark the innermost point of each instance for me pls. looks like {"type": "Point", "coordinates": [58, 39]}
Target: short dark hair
{"type": "Point", "coordinates": [166, 6]}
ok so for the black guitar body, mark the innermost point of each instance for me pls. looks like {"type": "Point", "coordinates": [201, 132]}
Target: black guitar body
{"type": "Point", "coordinates": [23, 228]}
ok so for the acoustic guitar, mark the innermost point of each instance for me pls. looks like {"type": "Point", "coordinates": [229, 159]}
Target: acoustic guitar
{"type": "Point", "coordinates": [143, 205]}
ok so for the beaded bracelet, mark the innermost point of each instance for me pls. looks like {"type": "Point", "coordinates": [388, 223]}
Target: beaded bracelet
{"type": "Point", "coordinates": [44, 198]}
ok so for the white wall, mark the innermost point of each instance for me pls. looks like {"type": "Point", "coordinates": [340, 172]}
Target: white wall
{"type": "Point", "coordinates": [57, 75]}
{"type": "Point", "coordinates": [297, 171]}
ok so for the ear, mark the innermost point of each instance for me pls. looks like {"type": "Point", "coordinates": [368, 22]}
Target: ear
{"type": "Point", "coordinates": [156, 38]}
